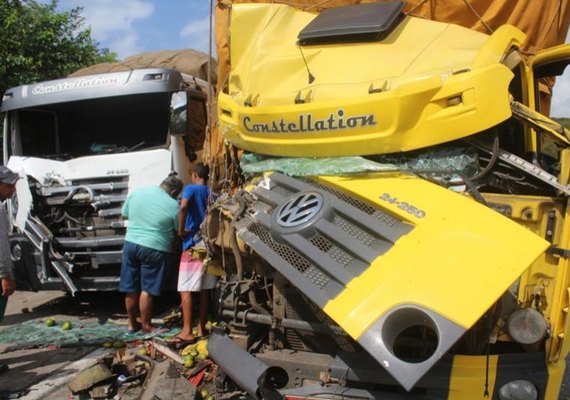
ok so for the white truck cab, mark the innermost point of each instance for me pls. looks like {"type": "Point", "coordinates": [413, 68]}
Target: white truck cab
{"type": "Point", "coordinates": [80, 145]}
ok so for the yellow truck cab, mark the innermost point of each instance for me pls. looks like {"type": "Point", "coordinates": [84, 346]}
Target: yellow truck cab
{"type": "Point", "coordinates": [402, 227]}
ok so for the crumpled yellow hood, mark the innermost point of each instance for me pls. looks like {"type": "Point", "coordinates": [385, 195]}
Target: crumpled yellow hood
{"type": "Point", "coordinates": [426, 83]}
{"type": "Point", "coordinates": [267, 61]}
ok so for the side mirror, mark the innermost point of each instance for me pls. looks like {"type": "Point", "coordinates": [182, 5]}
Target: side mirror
{"type": "Point", "coordinates": [178, 113]}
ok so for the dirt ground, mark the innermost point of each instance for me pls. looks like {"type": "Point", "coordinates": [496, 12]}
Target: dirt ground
{"type": "Point", "coordinates": [41, 369]}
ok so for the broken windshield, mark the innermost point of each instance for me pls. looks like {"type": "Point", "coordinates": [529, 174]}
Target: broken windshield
{"type": "Point", "coordinates": [90, 127]}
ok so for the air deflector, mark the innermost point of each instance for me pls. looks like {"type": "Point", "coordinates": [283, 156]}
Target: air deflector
{"type": "Point", "coordinates": [354, 23]}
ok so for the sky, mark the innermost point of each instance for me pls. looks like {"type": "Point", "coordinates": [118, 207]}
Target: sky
{"type": "Point", "coordinates": [129, 27]}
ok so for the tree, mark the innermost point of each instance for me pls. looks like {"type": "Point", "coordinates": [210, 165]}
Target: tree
{"type": "Point", "coordinates": [39, 43]}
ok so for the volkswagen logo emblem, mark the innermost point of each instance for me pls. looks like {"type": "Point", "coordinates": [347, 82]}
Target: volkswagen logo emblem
{"type": "Point", "coordinates": [299, 209]}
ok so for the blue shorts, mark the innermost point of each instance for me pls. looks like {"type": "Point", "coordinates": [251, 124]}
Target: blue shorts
{"type": "Point", "coordinates": [143, 269]}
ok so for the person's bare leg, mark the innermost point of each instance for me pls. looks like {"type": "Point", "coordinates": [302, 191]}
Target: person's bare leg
{"type": "Point", "coordinates": [145, 306]}
{"type": "Point", "coordinates": [203, 312]}
{"type": "Point", "coordinates": [132, 307]}
{"type": "Point", "coordinates": [187, 317]}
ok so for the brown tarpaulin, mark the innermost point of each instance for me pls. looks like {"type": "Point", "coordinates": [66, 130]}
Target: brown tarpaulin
{"type": "Point", "coordinates": [187, 61]}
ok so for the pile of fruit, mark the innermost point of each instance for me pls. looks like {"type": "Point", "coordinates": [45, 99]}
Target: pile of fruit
{"type": "Point", "coordinates": [199, 369]}
{"type": "Point", "coordinates": [195, 352]}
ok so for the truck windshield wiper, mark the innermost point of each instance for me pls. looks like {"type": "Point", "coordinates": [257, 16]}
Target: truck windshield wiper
{"type": "Point", "coordinates": [58, 157]}
{"type": "Point", "coordinates": [125, 149]}
{"type": "Point", "coordinates": [136, 146]}
{"type": "Point", "coordinates": [113, 148]}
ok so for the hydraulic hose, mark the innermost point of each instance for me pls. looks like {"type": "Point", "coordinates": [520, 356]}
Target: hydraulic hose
{"type": "Point", "coordinates": [233, 240]}
{"type": "Point", "coordinates": [492, 161]}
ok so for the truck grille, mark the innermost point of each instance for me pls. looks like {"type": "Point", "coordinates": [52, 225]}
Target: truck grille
{"type": "Point", "coordinates": [85, 218]}
{"type": "Point", "coordinates": [320, 254]}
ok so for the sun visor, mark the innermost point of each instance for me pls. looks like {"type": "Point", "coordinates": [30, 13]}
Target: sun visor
{"type": "Point", "coordinates": [387, 253]}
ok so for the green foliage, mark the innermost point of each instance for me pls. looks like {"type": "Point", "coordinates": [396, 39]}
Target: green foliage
{"type": "Point", "coordinates": [565, 122]}
{"type": "Point", "coordinates": [38, 43]}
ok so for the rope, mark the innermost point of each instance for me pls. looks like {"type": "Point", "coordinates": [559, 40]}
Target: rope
{"type": "Point", "coordinates": [486, 391]}
{"type": "Point", "coordinates": [317, 5]}
{"type": "Point", "coordinates": [210, 91]}
{"type": "Point", "coordinates": [478, 16]}
{"type": "Point", "coordinates": [411, 10]}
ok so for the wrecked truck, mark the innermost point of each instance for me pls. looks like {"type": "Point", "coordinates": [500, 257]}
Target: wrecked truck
{"type": "Point", "coordinates": [80, 144]}
{"type": "Point", "coordinates": [399, 228]}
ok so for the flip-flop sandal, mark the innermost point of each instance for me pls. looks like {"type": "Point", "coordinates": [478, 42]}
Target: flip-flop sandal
{"type": "Point", "coordinates": [178, 342]}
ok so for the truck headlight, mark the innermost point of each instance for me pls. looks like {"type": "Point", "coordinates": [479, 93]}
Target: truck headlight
{"type": "Point", "coordinates": [518, 390]}
{"type": "Point", "coordinates": [526, 326]}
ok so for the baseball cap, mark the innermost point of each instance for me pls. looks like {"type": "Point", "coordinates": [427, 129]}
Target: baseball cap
{"type": "Point", "coordinates": [8, 176]}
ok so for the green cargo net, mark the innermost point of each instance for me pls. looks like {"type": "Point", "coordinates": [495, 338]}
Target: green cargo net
{"type": "Point", "coordinates": [37, 333]}
{"type": "Point", "coordinates": [442, 163]}
{"type": "Point", "coordinates": [252, 164]}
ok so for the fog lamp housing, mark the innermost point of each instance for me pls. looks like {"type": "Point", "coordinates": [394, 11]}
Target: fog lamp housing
{"type": "Point", "coordinates": [526, 326]}
{"type": "Point", "coordinates": [518, 390]}
{"type": "Point", "coordinates": [16, 252]}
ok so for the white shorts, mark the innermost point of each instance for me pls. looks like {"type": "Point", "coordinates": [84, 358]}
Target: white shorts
{"type": "Point", "coordinates": [192, 275]}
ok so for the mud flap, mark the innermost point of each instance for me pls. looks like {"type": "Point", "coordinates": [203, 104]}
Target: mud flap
{"type": "Point", "coordinates": [385, 253]}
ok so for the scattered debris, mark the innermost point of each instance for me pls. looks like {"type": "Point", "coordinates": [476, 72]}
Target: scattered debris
{"type": "Point", "coordinates": [133, 365]}
{"type": "Point", "coordinates": [166, 382]}
{"type": "Point", "coordinates": [164, 349]}
{"type": "Point", "coordinates": [89, 377]}
{"type": "Point", "coordinates": [173, 318]}
{"type": "Point", "coordinates": [113, 375]}
{"type": "Point", "coordinates": [158, 367]}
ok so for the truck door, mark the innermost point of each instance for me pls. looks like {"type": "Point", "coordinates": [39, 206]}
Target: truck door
{"type": "Point", "coordinates": [550, 95]}
{"type": "Point", "coordinates": [550, 80]}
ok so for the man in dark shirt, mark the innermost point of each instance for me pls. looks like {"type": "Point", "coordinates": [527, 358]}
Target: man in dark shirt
{"type": "Point", "coordinates": [192, 276]}
{"type": "Point", "coordinates": [8, 181]}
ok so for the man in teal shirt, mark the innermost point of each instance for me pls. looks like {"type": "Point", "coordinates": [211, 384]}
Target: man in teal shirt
{"type": "Point", "coordinates": [152, 214]}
